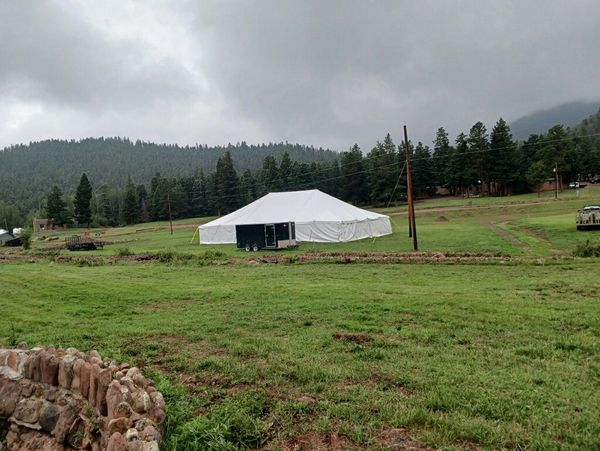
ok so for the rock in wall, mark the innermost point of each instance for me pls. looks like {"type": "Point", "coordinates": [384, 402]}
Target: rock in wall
{"type": "Point", "coordinates": [55, 399]}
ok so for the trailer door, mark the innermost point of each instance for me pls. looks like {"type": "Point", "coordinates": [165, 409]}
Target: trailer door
{"type": "Point", "coordinates": [270, 236]}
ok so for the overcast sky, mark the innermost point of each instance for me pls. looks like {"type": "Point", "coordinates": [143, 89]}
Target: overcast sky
{"type": "Point", "coordinates": [323, 72]}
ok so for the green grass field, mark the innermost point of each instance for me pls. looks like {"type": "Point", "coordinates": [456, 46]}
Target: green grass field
{"type": "Point", "coordinates": [341, 356]}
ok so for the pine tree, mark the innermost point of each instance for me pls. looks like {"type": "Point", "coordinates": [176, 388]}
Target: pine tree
{"type": "Point", "coordinates": [422, 174]}
{"type": "Point", "coordinates": [441, 158]}
{"type": "Point", "coordinates": [501, 156]}
{"type": "Point", "coordinates": [354, 186]}
{"type": "Point", "coordinates": [247, 187]}
{"type": "Point", "coordinates": [383, 170]}
{"type": "Point", "coordinates": [286, 173]}
{"type": "Point", "coordinates": [131, 211]}
{"type": "Point", "coordinates": [557, 150]}
{"type": "Point", "coordinates": [56, 208]}
{"type": "Point", "coordinates": [158, 198]}
{"type": "Point", "coordinates": [464, 173]}
{"type": "Point", "coordinates": [227, 185]}
{"type": "Point", "coordinates": [83, 196]}
{"type": "Point", "coordinates": [9, 216]}
{"type": "Point", "coordinates": [537, 174]}
{"type": "Point", "coordinates": [269, 176]}
{"type": "Point", "coordinates": [479, 158]}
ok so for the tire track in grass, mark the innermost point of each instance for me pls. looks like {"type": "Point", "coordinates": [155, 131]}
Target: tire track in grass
{"type": "Point", "coordinates": [505, 234]}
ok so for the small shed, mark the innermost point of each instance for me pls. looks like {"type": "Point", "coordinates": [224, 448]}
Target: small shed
{"type": "Point", "coordinates": [39, 225]}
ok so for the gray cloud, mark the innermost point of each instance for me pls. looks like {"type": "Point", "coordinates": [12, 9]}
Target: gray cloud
{"type": "Point", "coordinates": [325, 73]}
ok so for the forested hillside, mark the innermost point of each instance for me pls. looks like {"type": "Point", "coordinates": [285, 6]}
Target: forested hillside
{"type": "Point", "coordinates": [27, 172]}
{"type": "Point", "coordinates": [568, 114]}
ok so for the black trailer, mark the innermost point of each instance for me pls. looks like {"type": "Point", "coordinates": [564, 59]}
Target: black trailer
{"type": "Point", "coordinates": [77, 243]}
{"type": "Point", "coordinates": [279, 235]}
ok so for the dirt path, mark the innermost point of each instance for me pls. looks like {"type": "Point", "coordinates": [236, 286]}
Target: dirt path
{"type": "Point", "coordinates": [505, 234]}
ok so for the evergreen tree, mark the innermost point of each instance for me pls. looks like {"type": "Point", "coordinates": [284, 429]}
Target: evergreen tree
{"type": "Point", "coordinates": [354, 186]}
{"type": "Point", "coordinates": [158, 198]}
{"type": "Point", "coordinates": [501, 157]}
{"type": "Point", "coordinates": [463, 172]}
{"type": "Point", "coordinates": [305, 176]}
{"type": "Point", "coordinates": [56, 208]}
{"type": "Point", "coordinates": [383, 170]}
{"type": "Point", "coordinates": [131, 208]}
{"type": "Point", "coordinates": [83, 196]}
{"type": "Point", "coordinates": [269, 176]}
{"type": "Point", "coordinates": [103, 202]}
{"type": "Point", "coordinates": [556, 150]}
{"type": "Point", "coordinates": [478, 150]}
{"type": "Point", "coordinates": [247, 187]}
{"type": "Point", "coordinates": [422, 174]}
{"type": "Point", "coordinates": [227, 185]}
{"type": "Point", "coordinates": [286, 174]}
{"type": "Point", "coordinates": [441, 158]}
{"type": "Point", "coordinates": [142, 195]}
{"type": "Point", "coordinates": [330, 183]}
{"type": "Point", "coordinates": [9, 216]}
{"type": "Point", "coordinates": [537, 175]}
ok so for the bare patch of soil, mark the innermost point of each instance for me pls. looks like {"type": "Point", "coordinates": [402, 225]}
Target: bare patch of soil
{"type": "Point", "coordinates": [353, 337]}
{"type": "Point", "coordinates": [535, 233]}
{"type": "Point", "coordinates": [399, 439]}
{"type": "Point", "coordinates": [441, 218]}
{"type": "Point", "coordinates": [315, 441]}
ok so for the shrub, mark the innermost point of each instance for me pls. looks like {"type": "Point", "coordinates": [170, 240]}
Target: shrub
{"type": "Point", "coordinates": [587, 249]}
{"type": "Point", "coordinates": [124, 252]}
{"type": "Point", "coordinates": [26, 238]}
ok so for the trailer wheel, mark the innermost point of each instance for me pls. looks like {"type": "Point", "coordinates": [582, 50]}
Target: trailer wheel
{"type": "Point", "coordinates": [255, 248]}
{"type": "Point", "coordinates": [247, 248]}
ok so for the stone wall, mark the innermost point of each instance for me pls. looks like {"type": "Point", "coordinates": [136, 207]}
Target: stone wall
{"type": "Point", "coordinates": [55, 399]}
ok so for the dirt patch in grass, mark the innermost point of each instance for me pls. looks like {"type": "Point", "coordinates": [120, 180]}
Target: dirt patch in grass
{"type": "Point", "coordinates": [160, 351]}
{"type": "Point", "coordinates": [441, 218]}
{"type": "Point", "coordinates": [535, 233]}
{"type": "Point", "coordinates": [352, 337]}
{"type": "Point", "coordinates": [315, 441]}
{"type": "Point", "coordinates": [399, 439]}
{"type": "Point", "coordinates": [504, 234]}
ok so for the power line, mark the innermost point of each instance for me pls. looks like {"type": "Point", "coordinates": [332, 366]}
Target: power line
{"type": "Point", "coordinates": [395, 163]}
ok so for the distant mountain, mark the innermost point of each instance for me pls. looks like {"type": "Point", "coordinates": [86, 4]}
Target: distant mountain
{"type": "Point", "coordinates": [28, 172]}
{"type": "Point", "coordinates": [567, 114]}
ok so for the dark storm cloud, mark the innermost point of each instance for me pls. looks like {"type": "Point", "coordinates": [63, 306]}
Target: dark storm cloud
{"type": "Point", "coordinates": [337, 71]}
{"type": "Point", "coordinates": [326, 73]}
{"type": "Point", "coordinates": [49, 54]}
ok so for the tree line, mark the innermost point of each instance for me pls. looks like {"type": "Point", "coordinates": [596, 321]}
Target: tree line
{"type": "Point", "coordinates": [28, 171]}
{"type": "Point", "coordinates": [477, 162]}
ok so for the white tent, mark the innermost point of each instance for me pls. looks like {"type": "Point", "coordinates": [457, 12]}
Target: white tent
{"type": "Point", "coordinates": [319, 217]}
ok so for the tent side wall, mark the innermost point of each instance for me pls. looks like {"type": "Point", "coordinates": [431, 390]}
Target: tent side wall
{"type": "Point", "coordinates": [336, 232]}
{"type": "Point", "coordinates": [220, 234]}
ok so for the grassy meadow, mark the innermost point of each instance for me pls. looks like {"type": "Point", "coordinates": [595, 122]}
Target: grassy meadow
{"type": "Point", "coordinates": [494, 355]}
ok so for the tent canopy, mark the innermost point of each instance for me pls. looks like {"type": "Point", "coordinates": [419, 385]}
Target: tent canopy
{"type": "Point", "coordinates": [319, 217]}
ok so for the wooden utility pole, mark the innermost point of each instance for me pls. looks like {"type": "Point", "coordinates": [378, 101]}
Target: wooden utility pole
{"type": "Point", "coordinates": [409, 190]}
{"type": "Point", "coordinates": [170, 216]}
{"type": "Point", "coordinates": [555, 180]}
